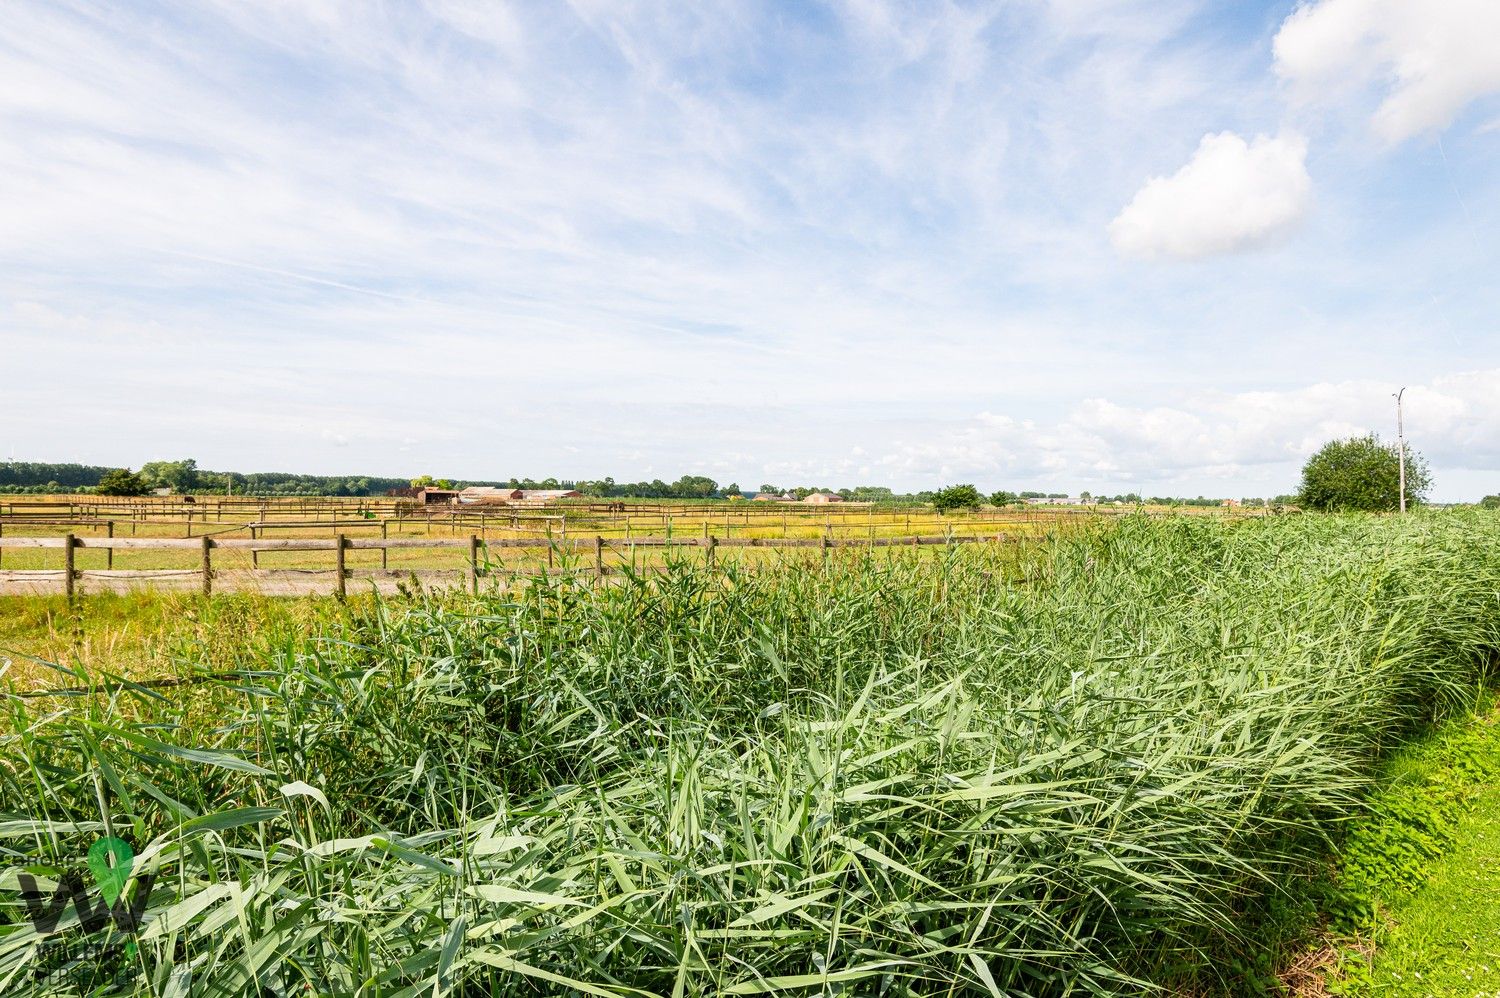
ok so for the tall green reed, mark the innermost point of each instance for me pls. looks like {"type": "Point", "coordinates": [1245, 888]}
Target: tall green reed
{"type": "Point", "coordinates": [1045, 771]}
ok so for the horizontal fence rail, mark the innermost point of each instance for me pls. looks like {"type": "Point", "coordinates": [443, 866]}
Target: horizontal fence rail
{"type": "Point", "coordinates": [476, 548]}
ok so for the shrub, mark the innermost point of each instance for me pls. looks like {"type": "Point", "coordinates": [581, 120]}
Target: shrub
{"type": "Point", "coordinates": [121, 482]}
{"type": "Point", "coordinates": [1361, 474]}
{"type": "Point", "coordinates": [957, 497]}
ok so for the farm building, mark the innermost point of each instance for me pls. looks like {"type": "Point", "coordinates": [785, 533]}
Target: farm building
{"type": "Point", "coordinates": [531, 497]}
{"type": "Point", "coordinates": [487, 493]}
{"type": "Point", "coordinates": [437, 497]}
{"type": "Point", "coordinates": [772, 497]}
{"type": "Point", "coordinates": [823, 498]}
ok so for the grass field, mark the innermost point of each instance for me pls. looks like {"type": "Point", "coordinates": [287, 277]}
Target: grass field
{"type": "Point", "coordinates": [1414, 906]}
{"type": "Point", "coordinates": [561, 537]}
{"type": "Point", "coordinates": [1080, 765]}
{"type": "Point", "coordinates": [637, 520]}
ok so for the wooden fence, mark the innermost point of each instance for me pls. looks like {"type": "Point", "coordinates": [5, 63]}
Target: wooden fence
{"type": "Point", "coordinates": [477, 564]}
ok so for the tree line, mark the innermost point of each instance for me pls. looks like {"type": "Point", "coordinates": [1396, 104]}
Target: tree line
{"type": "Point", "coordinates": [1358, 473]}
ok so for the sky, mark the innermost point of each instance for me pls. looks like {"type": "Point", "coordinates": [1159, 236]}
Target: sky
{"type": "Point", "coordinates": [1160, 246]}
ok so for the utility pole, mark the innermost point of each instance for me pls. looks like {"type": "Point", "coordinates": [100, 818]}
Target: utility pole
{"type": "Point", "coordinates": [1401, 447]}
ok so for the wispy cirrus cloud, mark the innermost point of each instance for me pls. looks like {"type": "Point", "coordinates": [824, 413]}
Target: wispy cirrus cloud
{"type": "Point", "coordinates": [605, 236]}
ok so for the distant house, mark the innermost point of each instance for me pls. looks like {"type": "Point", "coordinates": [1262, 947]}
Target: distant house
{"type": "Point", "coordinates": [437, 497]}
{"type": "Point", "coordinates": [823, 498]}
{"type": "Point", "coordinates": [1053, 501]}
{"type": "Point", "coordinates": [773, 497]}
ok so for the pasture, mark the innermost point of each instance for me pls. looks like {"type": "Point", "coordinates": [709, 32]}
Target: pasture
{"type": "Point", "coordinates": [303, 546]}
{"type": "Point", "coordinates": [1085, 763]}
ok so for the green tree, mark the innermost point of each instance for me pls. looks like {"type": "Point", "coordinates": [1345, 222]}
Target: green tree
{"type": "Point", "coordinates": [1361, 474]}
{"type": "Point", "coordinates": [957, 497]}
{"type": "Point", "coordinates": [1490, 502]}
{"type": "Point", "coordinates": [1003, 498]}
{"type": "Point", "coordinates": [693, 487]}
{"type": "Point", "coordinates": [121, 482]}
{"type": "Point", "coordinates": [179, 476]}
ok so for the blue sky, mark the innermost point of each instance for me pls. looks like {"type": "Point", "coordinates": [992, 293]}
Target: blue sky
{"type": "Point", "coordinates": [1157, 247]}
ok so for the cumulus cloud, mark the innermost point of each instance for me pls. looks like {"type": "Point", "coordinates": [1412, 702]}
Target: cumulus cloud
{"type": "Point", "coordinates": [1232, 195]}
{"type": "Point", "coordinates": [1431, 59]}
{"type": "Point", "coordinates": [1220, 436]}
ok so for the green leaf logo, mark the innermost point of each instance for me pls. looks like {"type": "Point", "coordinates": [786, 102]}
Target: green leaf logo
{"type": "Point", "coordinates": [110, 859]}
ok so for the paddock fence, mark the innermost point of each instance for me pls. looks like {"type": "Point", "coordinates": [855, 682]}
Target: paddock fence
{"type": "Point", "coordinates": [478, 563]}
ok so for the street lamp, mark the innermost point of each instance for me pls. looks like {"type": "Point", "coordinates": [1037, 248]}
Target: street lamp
{"type": "Point", "coordinates": [1401, 448]}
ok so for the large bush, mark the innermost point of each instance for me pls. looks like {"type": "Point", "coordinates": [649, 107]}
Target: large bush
{"type": "Point", "coordinates": [1361, 474]}
{"type": "Point", "coordinates": [956, 497]}
{"type": "Point", "coordinates": [121, 482]}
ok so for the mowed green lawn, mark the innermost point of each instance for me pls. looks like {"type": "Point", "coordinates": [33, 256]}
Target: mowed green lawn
{"type": "Point", "coordinates": [1445, 939]}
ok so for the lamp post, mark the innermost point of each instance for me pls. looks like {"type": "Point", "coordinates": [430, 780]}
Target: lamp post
{"type": "Point", "coordinates": [1401, 448]}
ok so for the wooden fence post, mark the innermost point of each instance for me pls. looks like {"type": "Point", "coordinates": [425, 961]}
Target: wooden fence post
{"type": "Point", "coordinates": [599, 555]}
{"type": "Point", "coordinates": [254, 554]}
{"type": "Point", "coordinates": [474, 564]}
{"type": "Point", "coordinates": [713, 544]}
{"type": "Point", "coordinates": [383, 550]}
{"type": "Point", "coordinates": [109, 553]}
{"type": "Point", "coordinates": [68, 574]}
{"type": "Point", "coordinates": [2, 550]}
{"type": "Point", "coordinates": [339, 542]}
{"type": "Point", "coordinates": [208, 568]}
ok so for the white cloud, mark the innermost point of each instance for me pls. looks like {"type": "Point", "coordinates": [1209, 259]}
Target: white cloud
{"type": "Point", "coordinates": [1235, 438]}
{"type": "Point", "coordinates": [1431, 57]}
{"type": "Point", "coordinates": [653, 233]}
{"type": "Point", "coordinates": [1230, 196]}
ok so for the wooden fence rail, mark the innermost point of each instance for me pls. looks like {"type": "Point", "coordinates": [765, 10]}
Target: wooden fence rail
{"type": "Point", "coordinates": [476, 547]}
